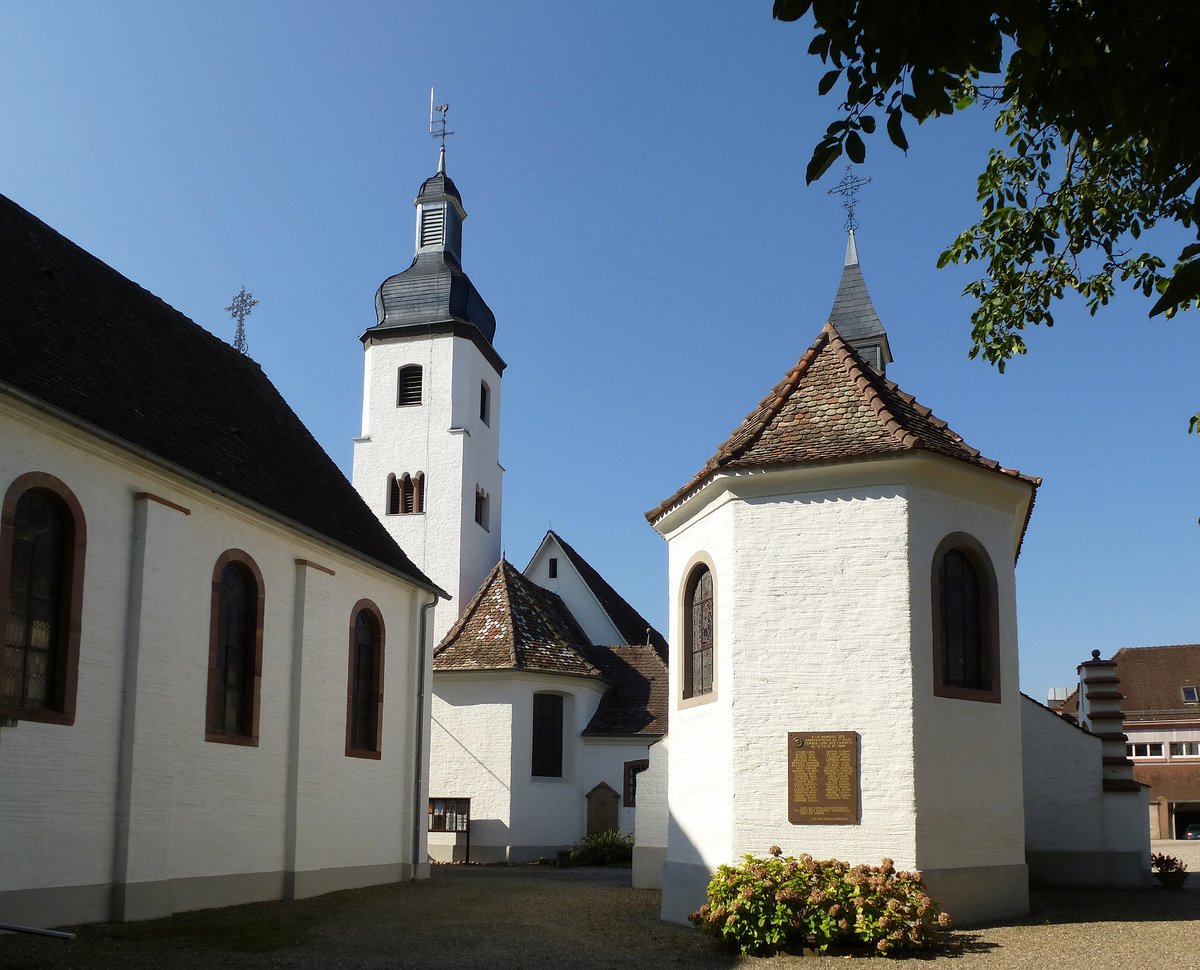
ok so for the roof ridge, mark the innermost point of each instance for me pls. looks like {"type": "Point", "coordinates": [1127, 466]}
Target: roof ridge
{"type": "Point", "coordinates": [506, 603]}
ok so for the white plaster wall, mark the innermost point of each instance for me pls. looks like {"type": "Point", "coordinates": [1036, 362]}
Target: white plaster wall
{"type": "Point", "coordinates": [968, 753]}
{"type": "Point", "coordinates": [58, 784]}
{"type": "Point", "coordinates": [820, 643]}
{"type": "Point", "coordinates": [470, 750]}
{"type": "Point", "coordinates": [700, 780]}
{"type": "Point", "coordinates": [551, 811]}
{"type": "Point", "coordinates": [1066, 809]}
{"type": "Point", "coordinates": [603, 760]}
{"type": "Point", "coordinates": [650, 827]}
{"type": "Point", "coordinates": [444, 438]}
{"type": "Point", "coordinates": [200, 808]}
{"type": "Point", "coordinates": [580, 600]}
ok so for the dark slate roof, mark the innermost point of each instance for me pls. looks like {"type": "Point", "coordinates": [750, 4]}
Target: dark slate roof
{"type": "Point", "coordinates": [432, 290]}
{"type": "Point", "coordinates": [832, 407]}
{"type": "Point", "coordinates": [853, 313]}
{"type": "Point", "coordinates": [438, 185]}
{"type": "Point", "coordinates": [636, 702]}
{"type": "Point", "coordinates": [79, 336]}
{"type": "Point", "coordinates": [514, 624]}
{"type": "Point", "coordinates": [1152, 682]}
{"type": "Point", "coordinates": [632, 626]}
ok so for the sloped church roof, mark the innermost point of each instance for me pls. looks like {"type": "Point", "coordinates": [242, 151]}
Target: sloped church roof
{"type": "Point", "coordinates": [833, 407]}
{"type": "Point", "coordinates": [514, 624]}
{"type": "Point", "coordinates": [96, 349]}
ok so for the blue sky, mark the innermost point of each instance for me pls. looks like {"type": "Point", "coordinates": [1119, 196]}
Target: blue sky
{"type": "Point", "coordinates": [639, 223]}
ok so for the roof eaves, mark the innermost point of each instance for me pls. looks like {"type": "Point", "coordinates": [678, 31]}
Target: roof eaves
{"type": "Point", "coordinates": [416, 577]}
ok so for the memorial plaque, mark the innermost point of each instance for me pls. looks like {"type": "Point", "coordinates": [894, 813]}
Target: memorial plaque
{"type": "Point", "coordinates": [823, 784]}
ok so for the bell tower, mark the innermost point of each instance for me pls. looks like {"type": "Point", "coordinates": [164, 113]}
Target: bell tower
{"type": "Point", "coordinates": [427, 461]}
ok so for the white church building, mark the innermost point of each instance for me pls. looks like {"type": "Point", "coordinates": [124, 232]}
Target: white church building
{"type": "Point", "coordinates": [844, 677]}
{"type": "Point", "coordinates": [215, 668]}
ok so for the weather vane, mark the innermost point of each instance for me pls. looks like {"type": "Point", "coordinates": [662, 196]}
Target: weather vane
{"type": "Point", "coordinates": [239, 309]}
{"type": "Point", "coordinates": [437, 127]}
{"type": "Point", "coordinates": [848, 188]}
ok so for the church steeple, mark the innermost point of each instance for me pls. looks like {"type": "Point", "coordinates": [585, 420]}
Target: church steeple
{"type": "Point", "coordinates": [440, 215]}
{"type": "Point", "coordinates": [854, 316]}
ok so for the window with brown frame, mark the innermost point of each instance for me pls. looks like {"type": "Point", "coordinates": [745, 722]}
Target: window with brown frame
{"type": "Point", "coordinates": [547, 735]}
{"type": "Point", "coordinates": [364, 696]}
{"type": "Point", "coordinates": [43, 542]}
{"type": "Point", "coordinates": [235, 650]}
{"type": "Point", "coordinates": [393, 495]}
{"type": "Point", "coordinates": [409, 385]}
{"type": "Point", "coordinates": [965, 621]}
{"type": "Point", "coordinates": [632, 770]}
{"type": "Point", "coordinates": [698, 633]}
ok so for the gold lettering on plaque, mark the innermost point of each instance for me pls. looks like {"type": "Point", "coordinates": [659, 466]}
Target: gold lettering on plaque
{"type": "Point", "coordinates": [823, 783]}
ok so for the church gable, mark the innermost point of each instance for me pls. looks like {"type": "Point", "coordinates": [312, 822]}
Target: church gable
{"type": "Point", "coordinates": [606, 615]}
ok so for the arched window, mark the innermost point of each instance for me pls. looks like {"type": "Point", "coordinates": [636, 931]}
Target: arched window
{"type": "Point", "coordinates": [485, 403]}
{"type": "Point", "coordinates": [419, 492]}
{"type": "Point", "coordinates": [408, 495]}
{"type": "Point", "coordinates": [409, 385]}
{"type": "Point", "coordinates": [393, 496]}
{"type": "Point", "coordinates": [965, 627]}
{"type": "Point", "coordinates": [43, 540]}
{"type": "Point", "coordinates": [481, 507]}
{"type": "Point", "coordinates": [235, 650]}
{"type": "Point", "coordinates": [364, 697]}
{"type": "Point", "coordinates": [698, 633]}
{"type": "Point", "coordinates": [547, 754]}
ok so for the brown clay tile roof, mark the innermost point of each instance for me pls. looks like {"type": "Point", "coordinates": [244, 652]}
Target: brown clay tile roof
{"type": "Point", "coordinates": [514, 624]}
{"type": "Point", "coordinates": [1152, 680]}
{"type": "Point", "coordinates": [1175, 783]}
{"type": "Point", "coordinates": [79, 337]}
{"type": "Point", "coordinates": [833, 407]}
{"type": "Point", "coordinates": [636, 702]}
{"type": "Point", "coordinates": [629, 622]}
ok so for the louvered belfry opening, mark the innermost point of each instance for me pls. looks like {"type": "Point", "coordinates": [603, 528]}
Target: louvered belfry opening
{"type": "Point", "coordinates": [433, 225]}
{"type": "Point", "coordinates": [408, 391]}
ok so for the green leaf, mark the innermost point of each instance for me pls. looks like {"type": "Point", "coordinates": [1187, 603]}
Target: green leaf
{"type": "Point", "coordinates": [825, 155]}
{"type": "Point", "coordinates": [1183, 286]}
{"type": "Point", "coordinates": [790, 10]}
{"type": "Point", "coordinates": [895, 131]}
{"type": "Point", "coordinates": [856, 151]}
{"type": "Point", "coordinates": [828, 81]}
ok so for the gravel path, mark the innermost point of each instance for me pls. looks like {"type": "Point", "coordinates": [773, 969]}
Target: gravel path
{"type": "Point", "coordinates": [540, 917]}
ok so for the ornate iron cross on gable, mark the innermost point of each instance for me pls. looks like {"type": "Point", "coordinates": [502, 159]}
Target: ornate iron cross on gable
{"type": "Point", "coordinates": [239, 309]}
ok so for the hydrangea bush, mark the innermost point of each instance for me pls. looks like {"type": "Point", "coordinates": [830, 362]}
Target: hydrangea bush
{"type": "Point", "coordinates": [765, 904]}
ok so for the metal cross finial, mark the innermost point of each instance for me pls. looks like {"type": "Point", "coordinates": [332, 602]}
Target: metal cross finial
{"type": "Point", "coordinates": [848, 188]}
{"type": "Point", "coordinates": [239, 309]}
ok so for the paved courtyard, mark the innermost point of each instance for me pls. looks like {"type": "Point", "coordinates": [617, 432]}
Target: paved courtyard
{"type": "Point", "coordinates": [540, 917]}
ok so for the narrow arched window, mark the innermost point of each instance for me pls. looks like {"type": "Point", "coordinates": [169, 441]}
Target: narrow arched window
{"type": "Point", "coordinates": [408, 499]}
{"type": "Point", "coordinates": [481, 507]}
{"type": "Point", "coordinates": [235, 650]}
{"type": "Point", "coordinates": [364, 701]}
{"type": "Point", "coordinates": [698, 633]}
{"type": "Point", "coordinates": [485, 403]}
{"type": "Point", "coordinates": [547, 753]}
{"type": "Point", "coordinates": [42, 545]}
{"type": "Point", "coordinates": [419, 492]}
{"type": "Point", "coordinates": [409, 385]}
{"type": "Point", "coordinates": [966, 634]}
{"type": "Point", "coordinates": [393, 496]}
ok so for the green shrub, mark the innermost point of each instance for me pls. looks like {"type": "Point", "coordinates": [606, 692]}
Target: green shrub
{"type": "Point", "coordinates": [765, 904]}
{"type": "Point", "coordinates": [609, 848]}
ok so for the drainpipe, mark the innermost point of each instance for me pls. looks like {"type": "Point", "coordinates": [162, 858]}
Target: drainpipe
{"type": "Point", "coordinates": [419, 809]}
